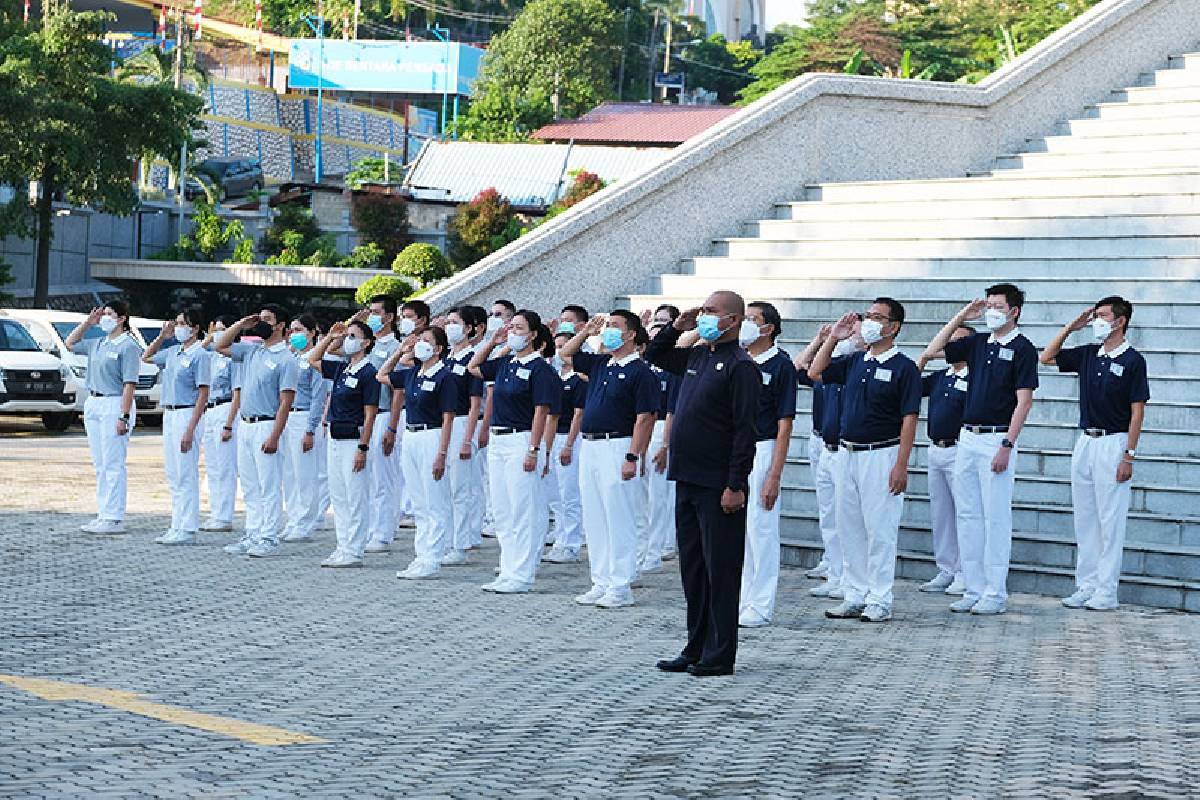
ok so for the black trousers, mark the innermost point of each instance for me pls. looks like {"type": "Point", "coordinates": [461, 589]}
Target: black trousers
{"type": "Point", "coordinates": [712, 547]}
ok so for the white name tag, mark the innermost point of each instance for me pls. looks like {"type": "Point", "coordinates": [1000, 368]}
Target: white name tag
{"type": "Point", "coordinates": [882, 374]}
{"type": "Point", "coordinates": [621, 375]}
{"type": "Point", "coordinates": [428, 386]}
{"type": "Point", "coordinates": [351, 381]}
{"type": "Point", "coordinates": [382, 354]}
{"type": "Point", "coordinates": [691, 372]}
{"type": "Point", "coordinates": [1116, 369]}
{"type": "Point", "coordinates": [766, 379]}
{"type": "Point", "coordinates": [1006, 354]}
{"type": "Point", "coordinates": [961, 385]}
{"type": "Point", "coordinates": [271, 365]}
{"type": "Point", "coordinates": [459, 370]}
{"type": "Point", "coordinates": [523, 374]}
{"type": "Point", "coordinates": [305, 365]}
{"type": "Point", "coordinates": [114, 356]}
{"type": "Point", "coordinates": [187, 362]}
{"type": "Point", "coordinates": [664, 386]}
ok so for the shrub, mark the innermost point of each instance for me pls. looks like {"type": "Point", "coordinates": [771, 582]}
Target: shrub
{"type": "Point", "coordinates": [423, 262]}
{"type": "Point", "coordinates": [480, 227]}
{"type": "Point", "coordinates": [243, 253]}
{"type": "Point", "coordinates": [383, 284]}
{"type": "Point", "coordinates": [382, 220]}
{"type": "Point", "coordinates": [370, 170]}
{"type": "Point", "coordinates": [289, 254]}
{"type": "Point", "coordinates": [365, 256]}
{"type": "Point", "coordinates": [290, 218]}
{"type": "Point", "coordinates": [321, 252]}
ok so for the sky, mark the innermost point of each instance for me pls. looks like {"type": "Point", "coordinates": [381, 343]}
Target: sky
{"type": "Point", "coordinates": [784, 11]}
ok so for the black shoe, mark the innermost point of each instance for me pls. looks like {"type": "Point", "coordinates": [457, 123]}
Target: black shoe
{"type": "Point", "coordinates": [677, 664]}
{"type": "Point", "coordinates": [699, 670]}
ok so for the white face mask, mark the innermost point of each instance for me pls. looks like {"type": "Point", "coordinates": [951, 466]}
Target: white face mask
{"type": "Point", "coordinates": [182, 333]}
{"type": "Point", "coordinates": [517, 342]}
{"type": "Point", "coordinates": [748, 334]}
{"type": "Point", "coordinates": [108, 324]}
{"type": "Point", "coordinates": [423, 351]}
{"type": "Point", "coordinates": [995, 320]}
{"type": "Point", "coordinates": [844, 348]}
{"type": "Point", "coordinates": [494, 324]}
{"type": "Point", "coordinates": [871, 330]}
{"type": "Point", "coordinates": [1101, 329]}
{"type": "Point", "coordinates": [557, 362]}
{"type": "Point", "coordinates": [351, 345]}
{"type": "Point", "coordinates": [407, 326]}
{"type": "Point", "coordinates": [455, 333]}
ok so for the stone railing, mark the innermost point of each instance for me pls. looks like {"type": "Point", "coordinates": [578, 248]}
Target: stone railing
{"type": "Point", "coordinates": [820, 128]}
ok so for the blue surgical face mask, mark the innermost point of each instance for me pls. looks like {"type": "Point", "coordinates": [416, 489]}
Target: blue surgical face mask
{"type": "Point", "coordinates": [517, 342]}
{"type": "Point", "coordinates": [566, 327]}
{"type": "Point", "coordinates": [612, 339]}
{"type": "Point", "coordinates": [298, 340]}
{"type": "Point", "coordinates": [709, 327]}
{"type": "Point", "coordinates": [375, 323]}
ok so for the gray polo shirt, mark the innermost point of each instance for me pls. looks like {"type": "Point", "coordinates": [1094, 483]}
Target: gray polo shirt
{"type": "Point", "coordinates": [311, 390]}
{"type": "Point", "coordinates": [266, 371]}
{"type": "Point", "coordinates": [112, 363]}
{"type": "Point", "coordinates": [184, 372]}
{"type": "Point", "coordinates": [381, 352]}
{"type": "Point", "coordinates": [221, 371]}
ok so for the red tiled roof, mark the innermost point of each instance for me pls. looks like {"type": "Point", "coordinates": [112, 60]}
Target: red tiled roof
{"type": "Point", "coordinates": [636, 123]}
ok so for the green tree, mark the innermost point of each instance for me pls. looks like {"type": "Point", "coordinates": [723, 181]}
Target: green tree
{"type": "Point", "coordinates": [720, 66]}
{"type": "Point", "coordinates": [422, 262]}
{"type": "Point", "coordinates": [556, 60]}
{"type": "Point", "coordinates": [383, 284]}
{"type": "Point", "coordinates": [79, 128]}
{"type": "Point", "coordinates": [381, 219]}
{"type": "Point", "coordinates": [482, 226]}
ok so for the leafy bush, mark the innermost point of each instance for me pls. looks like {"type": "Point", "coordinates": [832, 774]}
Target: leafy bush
{"type": "Point", "coordinates": [584, 186]}
{"type": "Point", "coordinates": [5, 279]}
{"type": "Point", "coordinates": [289, 254]}
{"type": "Point", "coordinates": [482, 226]}
{"type": "Point", "coordinates": [383, 284]}
{"type": "Point", "coordinates": [370, 170]}
{"type": "Point", "coordinates": [383, 220]}
{"type": "Point", "coordinates": [423, 262]}
{"type": "Point", "coordinates": [365, 256]}
{"type": "Point", "coordinates": [209, 236]}
{"type": "Point", "coordinates": [243, 253]}
{"type": "Point", "coordinates": [321, 252]}
{"type": "Point", "coordinates": [292, 218]}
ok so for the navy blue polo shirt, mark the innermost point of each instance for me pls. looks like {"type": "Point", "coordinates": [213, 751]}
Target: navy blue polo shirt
{"type": "Point", "coordinates": [947, 395]}
{"type": "Point", "coordinates": [712, 436]}
{"type": "Point", "coordinates": [519, 387]}
{"type": "Point", "coordinates": [998, 370]}
{"type": "Point", "coordinates": [668, 394]}
{"type": "Point", "coordinates": [877, 396]}
{"type": "Point", "coordinates": [427, 397]}
{"type": "Point", "coordinates": [777, 400]}
{"type": "Point", "coordinates": [468, 385]}
{"type": "Point", "coordinates": [353, 389]}
{"type": "Point", "coordinates": [1109, 384]}
{"type": "Point", "coordinates": [574, 395]}
{"type": "Point", "coordinates": [826, 406]}
{"type": "Point", "coordinates": [617, 392]}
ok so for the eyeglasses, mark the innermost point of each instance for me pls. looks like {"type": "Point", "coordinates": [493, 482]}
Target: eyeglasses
{"type": "Point", "coordinates": [876, 317]}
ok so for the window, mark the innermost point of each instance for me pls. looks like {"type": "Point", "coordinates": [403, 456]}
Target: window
{"type": "Point", "coordinates": [63, 329]}
{"type": "Point", "coordinates": [14, 337]}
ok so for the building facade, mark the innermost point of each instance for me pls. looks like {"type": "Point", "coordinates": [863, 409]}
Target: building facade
{"type": "Point", "coordinates": [735, 19]}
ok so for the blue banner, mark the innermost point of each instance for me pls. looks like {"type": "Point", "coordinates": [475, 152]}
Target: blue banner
{"type": "Point", "coordinates": [385, 66]}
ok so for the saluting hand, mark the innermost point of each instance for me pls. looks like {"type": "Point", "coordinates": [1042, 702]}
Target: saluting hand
{"type": "Point", "coordinates": [844, 327]}
{"type": "Point", "coordinates": [1083, 320]}
{"type": "Point", "coordinates": [501, 336]}
{"type": "Point", "coordinates": [687, 320]}
{"type": "Point", "coordinates": [94, 316]}
{"type": "Point", "coordinates": [596, 324]}
{"type": "Point", "coordinates": [646, 316]}
{"type": "Point", "coordinates": [361, 316]}
{"type": "Point", "coordinates": [168, 330]}
{"type": "Point", "coordinates": [338, 330]}
{"type": "Point", "coordinates": [732, 502]}
{"type": "Point", "coordinates": [973, 309]}
{"type": "Point", "coordinates": [249, 322]}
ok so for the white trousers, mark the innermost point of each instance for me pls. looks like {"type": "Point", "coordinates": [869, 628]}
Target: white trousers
{"type": "Point", "coordinates": [387, 485]}
{"type": "Point", "coordinates": [868, 524]}
{"type": "Point", "coordinates": [660, 510]}
{"type": "Point", "coordinates": [183, 469]}
{"type": "Point", "coordinates": [100, 415]}
{"type": "Point", "coordinates": [518, 505]}
{"type": "Point", "coordinates": [760, 568]}
{"type": "Point", "coordinates": [220, 463]}
{"type": "Point", "coordinates": [262, 481]}
{"type": "Point", "coordinates": [943, 510]}
{"type": "Point", "coordinates": [984, 506]}
{"type": "Point", "coordinates": [564, 497]}
{"type": "Point", "coordinates": [1101, 507]}
{"type": "Point", "coordinates": [489, 520]}
{"type": "Point", "coordinates": [432, 507]}
{"type": "Point", "coordinates": [349, 496]}
{"type": "Point", "coordinates": [478, 492]}
{"type": "Point", "coordinates": [466, 515]}
{"type": "Point", "coordinates": [302, 476]}
{"type": "Point", "coordinates": [825, 472]}
{"type": "Point", "coordinates": [610, 513]}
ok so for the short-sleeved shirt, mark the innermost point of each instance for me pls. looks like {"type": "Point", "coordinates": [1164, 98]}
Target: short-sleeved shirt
{"type": "Point", "coordinates": [574, 395]}
{"type": "Point", "coordinates": [311, 391]}
{"type": "Point", "coordinates": [381, 352]}
{"type": "Point", "coordinates": [220, 369]}
{"type": "Point", "coordinates": [266, 371]}
{"type": "Point", "coordinates": [184, 372]}
{"type": "Point", "coordinates": [947, 393]}
{"type": "Point", "coordinates": [877, 394]}
{"type": "Point", "coordinates": [112, 363]}
{"type": "Point", "coordinates": [468, 385]}
{"type": "Point", "coordinates": [354, 388]}
{"type": "Point", "coordinates": [668, 394]}
{"type": "Point", "coordinates": [617, 392]}
{"type": "Point", "coordinates": [826, 406]}
{"type": "Point", "coordinates": [999, 367]}
{"type": "Point", "coordinates": [1109, 384]}
{"type": "Point", "coordinates": [777, 400]}
{"type": "Point", "coordinates": [427, 395]}
{"type": "Point", "coordinates": [520, 386]}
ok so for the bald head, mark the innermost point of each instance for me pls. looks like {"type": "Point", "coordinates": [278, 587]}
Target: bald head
{"type": "Point", "coordinates": [727, 302]}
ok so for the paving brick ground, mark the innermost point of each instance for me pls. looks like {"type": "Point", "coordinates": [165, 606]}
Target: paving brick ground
{"type": "Point", "coordinates": [436, 689]}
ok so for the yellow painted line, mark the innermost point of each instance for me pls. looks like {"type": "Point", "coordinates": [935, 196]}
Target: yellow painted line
{"type": "Point", "coordinates": [245, 123]}
{"type": "Point", "coordinates": [135, 704]}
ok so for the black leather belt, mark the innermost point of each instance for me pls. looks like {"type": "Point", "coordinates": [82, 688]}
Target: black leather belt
{"type": "Point", "coordinates": [833, 448]}
{"type": "Point", "coordinates": [176, 408]}
{"type": "Point", "coordinates": [215, 403]}
{"type": "Point", "coordinates": [1097, 433]}
{"type": "Point", "coordinates": [986, 428]}
{"type": "Point", "coordinates": [100, 394]}
{"type": "Point", "coordinates": [418, 428]}
{"type": "Point", "coordinates": [944, 442]}
{"type": "Point", "coordinates": [507, 431]}
{"type": "Point", "coordinates": [596, 437]}
{"type": "Point", "coordinates": [300, 409]}
{"type": "Point", "coordinates": [855, 447]}
{"type": "Point", "coordinates": [257, 419]}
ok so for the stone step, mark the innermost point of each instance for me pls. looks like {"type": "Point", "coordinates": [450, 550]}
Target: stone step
{"type": "Point", "coordinates": [1141, 111]}
{"type": "Point", "coordinates": [1162, 205]}
{"type": "Point", "coordinates": [1156, 94]}
{"type": "Point", "coordinates": [1184, 61]}
{"type": "Point", "coordinates": [1101, 162]}
{"type": "Point", "coordinates": [1104, 145]}
{"type": "Point", "coordinates": [1093, 127]}
{"type": "Point", "coordinates": [1034, 227]}
{"type": "Point", "coordinates": [1015, 186]}
{"type": "Point", "coordinates": [1171, 77]}
{"type": "Point", "coordinates": [962, 246]}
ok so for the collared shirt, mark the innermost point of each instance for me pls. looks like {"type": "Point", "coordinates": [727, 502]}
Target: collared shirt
{"type": "Point", "coordinates": [112, 363]}
{"type": "Point", "coordinates": [520, 386]}
{"type": "Point", "coordinates": [354, 388]}
{"type": "Point", "coordinates": [947, 393]}
{"type": "Point", "coordinates": [311, 391]}
{"type": "Point", "coordinates": [879, 392]}
{"type": "Point", "coordinates": [468, 385]}
{"type": "Point", "coordinates": [574, 395]}
{"type": "Point", "coordinates": [826, 406]}
{"type": "Point", "coordinates": [777, 400]}
{"type": "Point", "coordinates": [998, 369]}
{"type": "Point", "coordinates": [220, 369]}
{"type": "Point", "coordinates": [1109, 384]}
{"type": "Point", "coordinates": [713, 436]}
{"type": "Point", "coordinates": [668, 394]}
{"type": "Point", "coordinates": [184, 372]}
{"type": "Point", "coordinates": [266, 372]}
{"type": "Point", "coordinates": [617, 392]}
{"type": "Point", "coordinates": [383, 349]}
{"type": "Point", "coordinates": [427, 395]}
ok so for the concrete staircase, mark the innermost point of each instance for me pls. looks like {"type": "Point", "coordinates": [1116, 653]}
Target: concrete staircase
{"type": "Point", "coordinates": [1107, 203]}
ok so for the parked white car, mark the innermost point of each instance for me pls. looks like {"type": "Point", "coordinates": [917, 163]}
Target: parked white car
{"type": "Point", "coordinates": [50, 330]}
{"type": "Point", "coordinates": [33, 382]}
{"type": "Point", "coordinates": [146, 330]}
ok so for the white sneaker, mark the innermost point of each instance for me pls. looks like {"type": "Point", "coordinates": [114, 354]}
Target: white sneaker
{"type": "Point", "coordinates": [846, 610]}
{"type": "Point", "coordinates": [876, 613]}
{"type": "Point", "coordinates": [377, 547]}
{"type": "Point", "coordinates": [752, 619]}
{"type": "Point", "coordinates": [938, 584]}
{"type": "Point", "coordinates": [408, 521]}
{"type": "Point", "coordinates": [295, 536]}
{"type": "Point", "coordinates": [591, 597]}
{"type": "Point", "coordinates": [508, 586]}
{"type": "Point", "coordinates": [959, 587]}
{"type": "Point", "coordinates": [165, 536]}
{"type": "Point", "coordinates": [651, 569]}
{"type": "Point", "coordinates": [177, 537]}
{"type": "Point", "coordinates": [1099, 602]}
{"type": "Point", "coordinates": [819, 571]}
{"type": "Point", "coordinates": [616, 598]}
{"type": "Point", "coordinates": [89, 527]}
{"type": "Point", "coordinates": [107, 527]}
{"type": "Point", "coordinates": [454, 558]}
{"type": "Point", "coordinates": [489, 533]}
{"type": "Point", "coordinates": [417, 570]}
{"type": "Point", "coordinates": [988, 607]}
{"type": "Point", "coordinates": [964, 605]}
{"type": "Point", "coordinates": [669, 555]}
{"type": "Point", "coordinates": [826, 589]}
{"type": "Point", "coordinates": [216, 525]}
{"type": "Point", "coordinates": [343, 561]}
{"type": "Point", "coordinates": [1079, 599]}
{"type": "Point", "coordinates": [240, 547]}
{"type": "Point", "coordinates": [562, 555]}
{"type": "Point", "coordinates": [263, 549]}
{"type": "Point", "coordinates": [334, 556]}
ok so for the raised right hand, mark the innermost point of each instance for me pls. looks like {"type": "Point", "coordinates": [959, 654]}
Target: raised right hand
{"type": "Point", "coordinates": [844, 327]}
{"type": "Point", "coordinates": [973, 309]}
{"type": "Point", "coordinates": [687, 320]}
{"type": "Point", "coordinates": [1083, 320]}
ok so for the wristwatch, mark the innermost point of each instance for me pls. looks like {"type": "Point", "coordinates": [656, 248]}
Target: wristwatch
{"type": "Point", "coordinates": [631, 458]}
{"type": "Point", "coordinates": [1007, 443]}
{"type": "Point", "coordinates": [362, 448]}
{"type": "Point", "coordinates": [1131, 453]}
{"type": "Point", "coordinates": [533, 450]}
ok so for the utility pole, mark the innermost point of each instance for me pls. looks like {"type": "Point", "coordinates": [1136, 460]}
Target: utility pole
{"type": "Point", "coordinates": [178, 83]}
{"type": "Point", "coordinates": [650, 50]}
{"type": "Point", "coordinates": [444, 35]}
{"type": "Point", "coordinates": [667, 54]}
{"type": "Point", "coordinates": [318, 27]}
{"type": "Point", "coordinates": [624, 50]}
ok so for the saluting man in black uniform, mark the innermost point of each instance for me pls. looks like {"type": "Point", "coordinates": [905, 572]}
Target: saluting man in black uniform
{"type": "Point", "coordinates": [712, 452]}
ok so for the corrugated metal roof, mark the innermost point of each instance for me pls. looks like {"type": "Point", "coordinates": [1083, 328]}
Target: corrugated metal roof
{"type": "Point", "coordinates": [527, 174]}
{"type": "Point", "coordinates": [637, 123]}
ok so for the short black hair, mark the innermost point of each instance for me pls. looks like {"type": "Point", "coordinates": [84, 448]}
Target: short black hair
{"type": "Point", "coordinates": [1120, 307]}
{"type": "Point", "coordinates": [672, 311]}
{"type": "Point", "coordinates": [508, 304]}
{"type": "Point", "coordinates": [389, 303]}
{"type": "Point", "coordinates": [439, 337]}
{"type": "Point", "coordinates": [121, 309]}
{"type": "Point", "coordinates": [367, 334]}
{"type": "Point", "coordinates": [228, 320]}
{"type": "Point", "coordinates": [1014, 296]}
{"type": "Point", "coordinates": [418, 307]}
{"type": "Point", "coordinates": [578, 311]}
{"type": "Point", "coordinates": [282, 315]}
{"type": "Point", "coordinates": [540, 335]}
{"type": "Point", "coordinates": [895, 308]}
{"type": "Point", "coordinates": [770, 316]}
{"type": "Point", "coordinates": [195, 318]}
{"type": "Point", "coordinates": [632, 323]}
{"type": "Point", "coordinates": [310, 322]}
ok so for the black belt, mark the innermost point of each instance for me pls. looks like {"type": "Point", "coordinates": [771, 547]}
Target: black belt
{"type": "Point", "coordinates": [418, 428]}
{"type": "Point", "coordinates": [944, 442]}
{"type": "Point", "coordinates": [1096, 433]}
{"type": "Point", "coordinates": [215, 403]}
{"type": "Point", "coordinates": [257, 419]}
{"type": "Point", "coordinates": [176, 408]}
{"type": "Point", "coordinates": [833, 448]}
{"type": "Point", "coordinates": [855, 447]}
{"type": "Point", "coordinates": [99, 394]}
{"type": "Point", "coordinates": [299, 409]}
{"type": "Point", "coordinates": [986, 428]}
{"type": "Point", "coordinates": [507, 431]}
{"type": "Point", "coordinates": [596, 437]}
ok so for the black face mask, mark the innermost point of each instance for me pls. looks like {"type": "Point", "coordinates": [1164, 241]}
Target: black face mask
{"type": "Point", "coordinates": [262, 330]}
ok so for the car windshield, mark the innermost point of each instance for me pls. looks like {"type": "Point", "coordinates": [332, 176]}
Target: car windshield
{"type": "Point", "coordinates": [13, 336]}
{"type": "Point", "coordinates": [63, 329]}
{"type": "Point", "coordinates": [214, 168]}
{"type": "Point", "coordinates": [149, 334]}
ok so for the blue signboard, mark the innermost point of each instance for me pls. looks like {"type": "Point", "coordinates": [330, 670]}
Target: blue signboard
{"type": "Point", "coordinates": [385, 66]}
